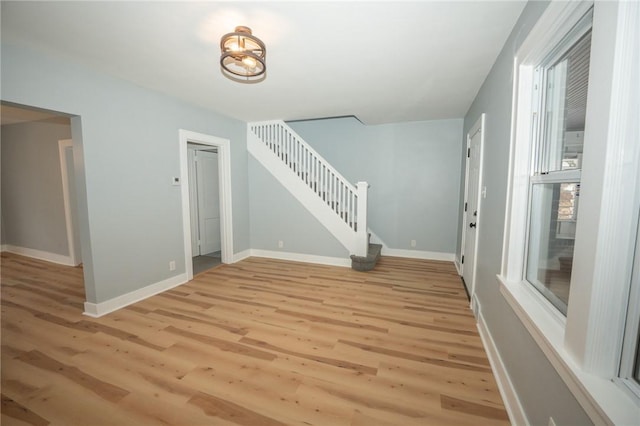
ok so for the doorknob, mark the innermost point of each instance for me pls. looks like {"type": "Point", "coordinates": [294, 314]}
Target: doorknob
{"type": "Point", "coordinates": [472, 225]}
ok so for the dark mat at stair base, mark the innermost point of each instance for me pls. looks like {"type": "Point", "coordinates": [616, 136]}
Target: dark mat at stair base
{"type": "Point", "coordinates": [366, 263]}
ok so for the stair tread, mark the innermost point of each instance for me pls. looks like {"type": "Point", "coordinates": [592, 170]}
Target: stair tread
{"type": "Point", "coordinates": [373, 253]}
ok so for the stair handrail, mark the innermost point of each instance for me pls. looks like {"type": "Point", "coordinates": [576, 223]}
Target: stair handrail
{"type": "Point", "coordinates": [347, 201]}
{"type": "Point", "coordinates": [314, 170]}
{"type": "Point", "coordinates": [307, 146]}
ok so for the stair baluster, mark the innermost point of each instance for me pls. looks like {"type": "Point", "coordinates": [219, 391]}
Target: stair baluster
{"type": "Point", "coordinates": [348, 202]}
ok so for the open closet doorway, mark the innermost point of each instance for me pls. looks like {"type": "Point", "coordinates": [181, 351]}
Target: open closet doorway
{"type": "Point", "coordinates": [215, 224]}
{"type": "Point", "coordinates": [204, 204]}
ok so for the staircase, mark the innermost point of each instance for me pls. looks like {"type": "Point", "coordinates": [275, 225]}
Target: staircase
{"type": "Point", "coordinates": [368, 262]}
{"type": "Point", "coordinates": [339, 205]}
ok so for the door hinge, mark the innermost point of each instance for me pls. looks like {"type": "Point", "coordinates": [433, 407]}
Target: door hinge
{"type": "Point", "coordinates": [462, 259]}
{"type": "Point", "coordinates": [465, 207]}
{"type": "Point", "coordinates": [468, 152]}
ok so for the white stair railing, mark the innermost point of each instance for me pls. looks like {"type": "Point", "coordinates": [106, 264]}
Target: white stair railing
{"type": "Point", "coordinates": [346, 201]}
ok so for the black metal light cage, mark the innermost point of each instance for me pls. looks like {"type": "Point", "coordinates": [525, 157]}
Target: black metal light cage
{"type": "Point", "coordinates": [243, 54]}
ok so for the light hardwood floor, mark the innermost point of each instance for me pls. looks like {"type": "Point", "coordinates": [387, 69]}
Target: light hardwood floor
{"type": "Point", "coordinates": [259, 342]}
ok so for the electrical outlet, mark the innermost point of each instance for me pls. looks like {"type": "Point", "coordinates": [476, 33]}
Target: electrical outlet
{"type": "Point", "coordinates": [172, 265]}
{"type": "Point", "coordinates": [280, 244]}
{"type": "Point", "coordinates": [413, 243]}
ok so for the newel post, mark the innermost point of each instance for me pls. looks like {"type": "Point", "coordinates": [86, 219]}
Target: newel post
{"type": "Point", "coordinates": [362, 238]}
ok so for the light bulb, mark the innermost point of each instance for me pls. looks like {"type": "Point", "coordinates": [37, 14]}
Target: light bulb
{"type": "Point", "coordinates": [249, 62]}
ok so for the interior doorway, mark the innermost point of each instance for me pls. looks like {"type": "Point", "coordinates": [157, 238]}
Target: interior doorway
{"type": "Point", "coordinates": [204, 204]}
{"type": "Point", "coordinates": [58, 195]}
{"type": "Point", "coordinates": [206, 221]}
{"type": "Point", "coordinates": [472, 202]}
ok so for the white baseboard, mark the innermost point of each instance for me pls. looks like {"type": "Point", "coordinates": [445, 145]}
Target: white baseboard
{"type": "Point", "coordinates": [237, 257]}
{"type": "Point", "coordinates": [299, 257]}
{"type": "Point", "coordinates": [339, 261]}
{"type": "Point", "coordinates": [4, 247]}
{"type": "Point", "coordinates": [458, 265]}
{"type": "Point", "coordinates": [96, 310]}
{"type": "Point", "coordinates": [419, 254]}
{"type": "Point", "coordinates": [39, 254]}
{"type": "Point", "coordinates": [474, 304]}
{"type": "Point", "coordinates": [413, 254]}
{"type": "Point", "coordinates": [512, 404]}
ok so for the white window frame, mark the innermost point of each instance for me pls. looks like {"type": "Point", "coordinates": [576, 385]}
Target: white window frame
{"type": "Point", "coordinates": [546, 148]}
{"type": "Point", "coordinates": [631, 345]}
{"type": "Point", "coordinates": [585, 347]}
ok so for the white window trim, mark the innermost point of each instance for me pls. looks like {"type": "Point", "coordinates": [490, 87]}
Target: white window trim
{"type": "Point", "coordinates": [630, 346]}
{"type": "Point", "coordinates": [580, 346]}
{"type": "Point", "coordinates": [558, 177]}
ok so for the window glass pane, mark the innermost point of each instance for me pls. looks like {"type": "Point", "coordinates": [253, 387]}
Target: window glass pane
{"type": "Point", "coordinates": [636, 371]}
{"type": "Point", "coordinates": [552, 228]}
{"type": "Point", "coordinates": [565, 106]}
{"type": "Point", "coordinates": [630, 362]}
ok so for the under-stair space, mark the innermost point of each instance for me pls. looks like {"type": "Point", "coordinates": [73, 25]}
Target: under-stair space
{"type": "Point", "coordinates": [340, 206]}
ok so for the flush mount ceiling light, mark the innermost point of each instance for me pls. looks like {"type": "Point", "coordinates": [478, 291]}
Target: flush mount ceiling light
{"type": "Point", "coordinates": [243, 56]}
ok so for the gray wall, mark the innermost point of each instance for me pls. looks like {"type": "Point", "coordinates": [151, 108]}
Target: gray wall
{"type": "Point", "coordinates": [413, 170]}
{"type": "Point", "coordinates": [125, 154]}
{"type": "Point", "coordinates": [276, 215]}
{"type": "Point", "coordinates": [33, 208]}
{"type": "Point", "coordinates": [541, 391]}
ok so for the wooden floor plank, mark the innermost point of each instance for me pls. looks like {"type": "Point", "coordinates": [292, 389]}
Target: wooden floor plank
{"type": "Point", "coordinates": [258, 342]}
{"type": "Point", "coordinates": [15, 411]}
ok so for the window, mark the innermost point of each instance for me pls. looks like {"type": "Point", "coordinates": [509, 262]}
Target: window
{"type": "Point", "coordinates": [571, 254]}
{"type": "Point", "coordinates": [629, 375]}
{"type": "Point", "coordinates": [559, 110]}
{"type": "Point", "coordinates": [550, 256]}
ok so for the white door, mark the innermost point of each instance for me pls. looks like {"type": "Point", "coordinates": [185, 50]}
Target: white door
{"type": "Point", "coordinates": [193, 202]}
{"type": "Point", "coordinates": [472, 204]}
{"type": "Point", "coordinates": [208, 201]}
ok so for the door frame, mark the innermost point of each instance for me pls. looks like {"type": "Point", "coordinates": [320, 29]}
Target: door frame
{"type": "Point", "coordinates": [71, 219]}
{"type": "Point", "coordinates": [479, 126]}
{"type": "Point", "coordinates": [224, 172]}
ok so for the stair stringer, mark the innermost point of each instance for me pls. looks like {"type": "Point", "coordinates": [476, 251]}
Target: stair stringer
{"type": "Point", "coordinates": [299, 189]}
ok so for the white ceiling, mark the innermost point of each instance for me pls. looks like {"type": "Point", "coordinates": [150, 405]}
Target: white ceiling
{"type": "Point", "coordinates": [380, 61]}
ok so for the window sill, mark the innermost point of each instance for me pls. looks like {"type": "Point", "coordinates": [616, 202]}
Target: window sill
{"type": "Point", "coordinates": [603, 401]}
